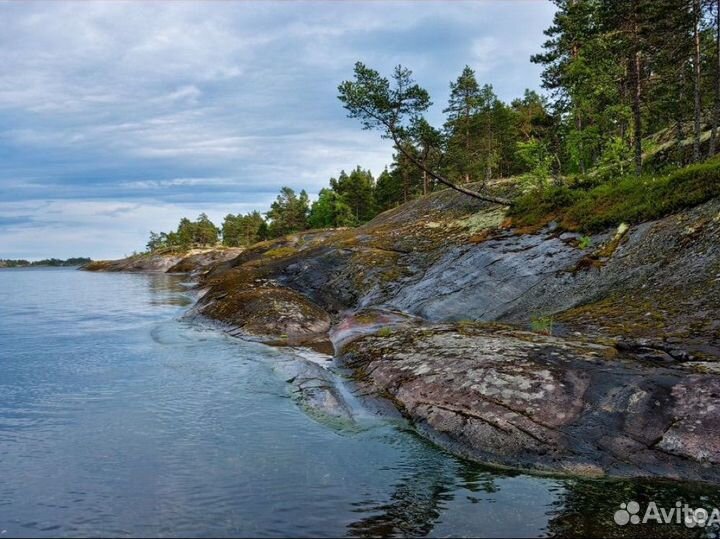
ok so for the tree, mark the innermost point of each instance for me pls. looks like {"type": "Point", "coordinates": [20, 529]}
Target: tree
{"type": "Point", "coordinates": [392, 110]}
{"type": "Point", "coordinates": [538, 160]}
{"type": "Point", "coordinates": [461, 127]}
{"type": "Point", "coordinates": [156, 241]}
{"type": "Point", "coordinates": [330, 211]}
{"type": "Point", "coordinates": [388, 191]}
{"type": "Point", "coordinates": [356, 190]}
{"type": "Point", "coordinates": [185, 233]}
{"type": "Point", "coordinates": [532, 119]}
{"type": "Point", "coordinates": [716, 81]}
{"type": "Point", "coordinates": [289, 213]}
{"type": "Point", "coordinates": [242, 230]}
{"type": "Point", "coordinates": [204, 231]}
{"type": "Point", "coordinates": [428, 142]}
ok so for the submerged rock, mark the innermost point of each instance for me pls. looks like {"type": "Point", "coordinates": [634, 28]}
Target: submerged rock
{"type": "Point", "coordinates": [517, 399]}
{"type": "Point", "coordinates": [315, 389]}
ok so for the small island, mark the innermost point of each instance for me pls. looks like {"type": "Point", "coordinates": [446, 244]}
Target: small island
{"type": "Point", "coordinates": [45, 262]}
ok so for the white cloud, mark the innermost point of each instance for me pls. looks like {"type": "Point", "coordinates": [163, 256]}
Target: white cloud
{"type": "Point", "coordinates": [101, 102]}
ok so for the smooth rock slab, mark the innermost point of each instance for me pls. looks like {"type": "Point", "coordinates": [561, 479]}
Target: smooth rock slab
{"type": "Point", "coordinates": [522, 400]}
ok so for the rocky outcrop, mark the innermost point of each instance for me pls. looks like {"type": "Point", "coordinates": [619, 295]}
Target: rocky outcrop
{"type": "Point", "coordinates": [518, 399]}
{"type": "Point", "coordinates": [274, 314]}
{"type": "Point", "coordinates": [624, 386]}
{"type": "Point", "coordinates": [194, 260]}
{"type": "Point", "coordinates": [444, 259]}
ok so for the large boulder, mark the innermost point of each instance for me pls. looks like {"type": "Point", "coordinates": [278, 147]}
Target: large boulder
{"type": "Point", "coordinates": [518, 399]}
{"type": "Point", "coordinates": [271, 313]}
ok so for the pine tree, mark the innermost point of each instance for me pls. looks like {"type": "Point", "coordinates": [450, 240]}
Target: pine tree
{"type": "Point", "coordinates": [289, 213]}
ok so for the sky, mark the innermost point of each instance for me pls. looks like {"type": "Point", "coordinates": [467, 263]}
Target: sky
{"type": "Point", "coordinates": [117, 118]}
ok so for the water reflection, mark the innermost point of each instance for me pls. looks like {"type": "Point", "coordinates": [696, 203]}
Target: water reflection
{"type": "Point", "coordinates": [168, 289]}
{"type": "Point", "coordinates": [586, 508]}
{"type": "Point", "coordinates": [415, 503]}
{"type": "Point", "coordinates": [115, 419]}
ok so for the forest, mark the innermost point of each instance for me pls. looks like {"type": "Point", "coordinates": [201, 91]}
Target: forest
{"type": "Point", "coordinates": [625, 129]}
{"type": "Point", "coordinates": [46, 262]}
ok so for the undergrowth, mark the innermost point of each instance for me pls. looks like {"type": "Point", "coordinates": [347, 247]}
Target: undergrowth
{"type": "Point", "coordinates": [629, 199]}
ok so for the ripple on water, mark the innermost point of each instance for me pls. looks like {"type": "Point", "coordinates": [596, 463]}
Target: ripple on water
{"type": "Point", "coordinates": [118, 419]}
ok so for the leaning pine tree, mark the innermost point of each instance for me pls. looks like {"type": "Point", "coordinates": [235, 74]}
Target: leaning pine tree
{"type": "Point", "coordinates": [394, 111]}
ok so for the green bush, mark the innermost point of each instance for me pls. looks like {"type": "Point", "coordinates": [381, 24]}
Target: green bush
{"type": "Point", "coordinates": [541, 324]}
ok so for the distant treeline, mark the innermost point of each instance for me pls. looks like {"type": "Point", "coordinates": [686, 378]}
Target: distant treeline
{"type": "Point", "coordinates": [349, 200]}
{"type": "Point", "coordinates": [52, 262]}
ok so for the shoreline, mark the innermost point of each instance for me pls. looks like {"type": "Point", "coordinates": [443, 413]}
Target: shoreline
{"type": "Point", "coordinates": [604, 390]}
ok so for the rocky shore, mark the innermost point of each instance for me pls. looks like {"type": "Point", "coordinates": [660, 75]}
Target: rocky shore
{"type": "Point", "coordinates": [526, 349]}
{"type": "Point", "coordinates": [192, 261]}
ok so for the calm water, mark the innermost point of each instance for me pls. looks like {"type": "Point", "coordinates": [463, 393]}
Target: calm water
{"type": "Point", "coordinates": [117, 418]}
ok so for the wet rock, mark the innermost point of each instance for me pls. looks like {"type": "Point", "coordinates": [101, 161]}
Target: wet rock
{"type": "Point", "coordinates": [616, 399]}
{"type": "Point", "coordinates": [276, 314]}
{"type": "Point", "coordinates": [368, 322]}
{"type": "Point", "coordinates": [517, 399]}
{"type": "Point", "coordinates": [315, 389]}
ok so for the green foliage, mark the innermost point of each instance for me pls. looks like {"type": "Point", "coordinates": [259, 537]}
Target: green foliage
{"type": "Point", "coordinates": [388, 190]}
{"type": "Point", "coordinates": [616, 158]}
{"type": "Point", "coordinates": [356, 191]}
{"type": "Point", "coordinates": [385, 332]}
{"type": "Point", "coordinates": [330, 211]}
{"type": "Point", "coordinates": [541, 324]}
{"type": "Point", "coordinates": [538, 161]}
{"type": "Point", "coordinates": [626, 200]}
{"type": "Point", "coordinates": [480, 131]}
{"type": "Point", "coordinates": [189, 234]}
{"type": "Point", "coordinates": [289, 213]}
{"type": "Point", "coordinates": [585, 242]}
{"type": "Point", "coordinates": [243, 230]}
{"type": "Point", "coordinates": [533, 209]}
{"type": "Point", "coordinates": [378, 104]}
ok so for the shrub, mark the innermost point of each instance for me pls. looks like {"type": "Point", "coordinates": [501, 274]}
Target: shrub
{"type": "Point", "coordinates": [585, 242]}
{"type": "Point", "coordinates": [542, 324]}
{"type": "Point", "coordinates": [384, 332]}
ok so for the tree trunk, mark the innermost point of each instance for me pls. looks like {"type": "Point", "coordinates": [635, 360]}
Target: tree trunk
{"type": "Point", "coordinates": [445, 181]}
{"type": "Point", "coordinates": [576, 110]}
{"type": "Point", "coordinates": [425, 183]}
{"type": "Point", "coordinates": [716, 113]}
{"type": "Point", "coordinates": [636, 71]}
{"type": "Point", "coordinates": [696, 138]}
{"type": "Point", "coordinates": [637, 117]}
{"type": "Point", "coordinates": [679, 131]}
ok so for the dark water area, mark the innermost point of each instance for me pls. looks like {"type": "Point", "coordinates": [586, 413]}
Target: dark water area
{"type": "Point", "coordinates": [117, 418]}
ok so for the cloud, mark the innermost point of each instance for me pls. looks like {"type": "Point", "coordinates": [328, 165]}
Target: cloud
{"type": "Point", "coordinates": [191, 106]}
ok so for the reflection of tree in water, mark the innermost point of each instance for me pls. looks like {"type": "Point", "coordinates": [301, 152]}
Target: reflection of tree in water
{"type": "Point", "coordinates": [419, 498]}
{"type": "Point", "coordinates": [167, 289]}
{"type": "Point", "coordinates": [585, 508]}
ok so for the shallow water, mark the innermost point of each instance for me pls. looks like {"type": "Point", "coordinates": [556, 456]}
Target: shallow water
{"type": "Point", "coordinates": [119, 419]}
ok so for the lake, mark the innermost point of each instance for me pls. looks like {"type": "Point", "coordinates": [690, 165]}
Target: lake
{"type": "Point", "coordinates": [118, 418]}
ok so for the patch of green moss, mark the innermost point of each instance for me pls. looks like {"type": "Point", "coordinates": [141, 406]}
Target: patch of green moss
{"type": "Point", "coordinates": [281, 252]}
{"type": "Point", "coordinates": [482, 220]}
{"type": "Point", "coordinates": [629, 199]}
